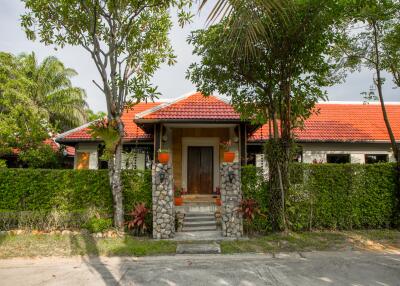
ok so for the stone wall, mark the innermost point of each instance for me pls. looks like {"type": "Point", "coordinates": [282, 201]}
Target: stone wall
{"type": "Point", "coordinates": [231, 196]}
{"type": "Point", "coordinates": [163, 201]}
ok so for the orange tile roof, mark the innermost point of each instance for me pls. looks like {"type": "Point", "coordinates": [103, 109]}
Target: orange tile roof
{"type": "Point", "coordinates": [344, 123]}
{"type": "Point", "coordinates": [132, 131]}
{"type": "Point", "coordinates": [194, 106]}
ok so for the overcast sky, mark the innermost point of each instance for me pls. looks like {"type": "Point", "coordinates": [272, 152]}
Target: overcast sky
{"type": "Point", "coordinates": [170, 80]}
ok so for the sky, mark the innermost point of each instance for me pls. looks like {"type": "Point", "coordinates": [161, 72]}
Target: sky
{"type": "Point", "coordinates": [171, 81]}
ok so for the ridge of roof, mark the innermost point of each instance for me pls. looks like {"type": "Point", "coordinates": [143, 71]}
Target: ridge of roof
{"type": "Point", "coordinates": [163, 105]}
{"type": "Point", "coordinates": [175, 105]}
{"type": "Point", "coordinates": [66, 133]}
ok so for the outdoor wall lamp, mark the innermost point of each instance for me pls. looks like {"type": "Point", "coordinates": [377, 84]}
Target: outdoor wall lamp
{"type": "Point", "coordinates": [162, 177]}
{"type": "Point", "coordinates": [231, 176]}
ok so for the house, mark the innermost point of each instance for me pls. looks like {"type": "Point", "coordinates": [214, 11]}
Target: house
{"type": "Point", "coordinates": [68, 153]}
{"type": "Point", "coordinates": [339, 132]}
{"type": "Point", "coordinates": [192, 127]}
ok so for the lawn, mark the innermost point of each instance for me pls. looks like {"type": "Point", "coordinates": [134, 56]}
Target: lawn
{"type": "Point", "coordinates": [30, 245]}
{"type": "Point", "coordinates": [34, 245]}
{"type": "Point", "coordinates": [378, 240]}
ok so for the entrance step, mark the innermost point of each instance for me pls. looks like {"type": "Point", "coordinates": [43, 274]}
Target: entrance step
{"type": "Point", "coordinates": [199, 222]}
{"type": "Point", "coordinates": [197, 208]}
{"type": "Point", "coordinates": [198, 248]}
{"type": "Point", "coordinates": [201, 236]}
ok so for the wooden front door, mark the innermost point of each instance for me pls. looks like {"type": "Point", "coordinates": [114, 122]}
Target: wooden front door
{"type": "Point", "coordinates": [200, 170]}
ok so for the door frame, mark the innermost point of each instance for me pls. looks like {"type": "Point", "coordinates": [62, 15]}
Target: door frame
{"type": "Point", "coordinates": [200, 142]}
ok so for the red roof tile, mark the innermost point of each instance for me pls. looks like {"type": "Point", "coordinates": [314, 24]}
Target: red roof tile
{"type": "Point", "coordinates": [132, 131]}
{"type": "Point", "coordinates": [193, 107]}
{"type": "Point", "coordinates": [54, 145]}
{"type": "Point", "coordinates": [344, 122]}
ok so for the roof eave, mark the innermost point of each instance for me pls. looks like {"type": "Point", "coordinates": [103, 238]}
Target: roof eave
{"type": "Point", "coordinates": [330, 141]}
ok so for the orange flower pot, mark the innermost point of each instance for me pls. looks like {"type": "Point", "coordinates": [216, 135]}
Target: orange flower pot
{"type": "Point", "coordinates": [218, 201]}
{"type": "Point", "coordinates": [229, 157]}
{"type": "Point", "coordinates": [163, 158]}
{"type": "Point", "coordinates": [178, 201]}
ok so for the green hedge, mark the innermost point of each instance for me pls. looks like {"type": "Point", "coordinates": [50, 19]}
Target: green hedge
{"type": "Point", "coordinates": [255, 187]}
{"type": "Point", "coordinates": [334, 196]}
{"type": "Point", "coordinates": [43, 191]}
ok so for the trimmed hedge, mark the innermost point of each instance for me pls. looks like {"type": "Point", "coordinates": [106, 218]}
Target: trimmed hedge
{"type": "Point", "coordinates": [254, 187]}
{"type": "Point", "coordinates": [69, 191]}
{"type": "Point", "coordinates": [333, 196]}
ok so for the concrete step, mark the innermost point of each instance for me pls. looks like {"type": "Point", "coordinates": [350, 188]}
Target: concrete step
{"type": "Point", "coordinates": [198, 214]}
{"type": "Point", "coordinates": [200, 218]}
{"type": "Point", "coordinates": [199, 223]}
{"type": "Point", "coordinates": [198, 248]}
{"type": "Point", "coordinates": [199, 228]}
{"type": "Point", "coordinates": [201, 236]}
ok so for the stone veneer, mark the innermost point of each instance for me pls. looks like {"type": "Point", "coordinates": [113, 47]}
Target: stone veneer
{"type": "Point", "coordinates": [163, 201]}
{"type": "Point", "coordinates": [231, 196]}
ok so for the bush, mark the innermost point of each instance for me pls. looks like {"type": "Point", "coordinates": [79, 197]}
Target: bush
{"type": "Point", "coordinates": [98, 224]}
{"type": "Point", "coordinates": [255, 187]}
{"type": "Point", "coordinates": [331, 196]}
{"type": "Point", "coordinates": [68, 193]}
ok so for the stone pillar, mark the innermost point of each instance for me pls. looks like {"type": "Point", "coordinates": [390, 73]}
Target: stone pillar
{"type": "Point", "coordinates": [163, 201]}
{"type": "Point", "coordinates": [231, 196]}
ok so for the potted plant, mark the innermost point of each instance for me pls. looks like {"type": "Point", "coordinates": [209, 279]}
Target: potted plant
{"type": "Point", "coordinates": [228, 155]}
{"type": "Point", "coordinates": [163, 156]}
{"type": "Point", "coordinates": [178, 197]}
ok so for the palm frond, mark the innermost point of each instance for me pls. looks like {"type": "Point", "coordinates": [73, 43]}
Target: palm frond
{"type": "Point", "coordinates": [247, 20]}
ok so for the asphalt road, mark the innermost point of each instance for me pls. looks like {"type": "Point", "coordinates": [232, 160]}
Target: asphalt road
{"type": "Point", "coordinates": [316, 268]}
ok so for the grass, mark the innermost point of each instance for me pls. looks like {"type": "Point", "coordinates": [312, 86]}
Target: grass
{"type": "Point", "coordinates": [378, 240]}
{"type": "Point", "coordinates": [30, 245]}
{"type": "Point", "coordinates": [34, 245]}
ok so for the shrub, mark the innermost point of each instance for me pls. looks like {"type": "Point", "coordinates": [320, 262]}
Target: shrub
{"type": "Point", "coordinates": [330, 196]}
{"type": "Point", "coordinates": [65, 195]}
{"type": "Point", "coordinates": [137, 221]}
{"type": "Point", "coordinates": [98, 224]}
{"type": "Point", "coordinates": [254, 187]}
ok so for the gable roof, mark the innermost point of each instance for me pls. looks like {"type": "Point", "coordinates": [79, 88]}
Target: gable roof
{"type": "Point", "coordinates": [193, 106]}
{"type": "Point", "coordinates": [345, 122]}
{"type": "Point", "coordinates": [132, 131]}
{"type": "Point", "coordinates": [334, 122]}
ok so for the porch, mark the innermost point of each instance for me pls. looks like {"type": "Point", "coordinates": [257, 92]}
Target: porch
{"type": "Point", "coordinates": [207, 187]}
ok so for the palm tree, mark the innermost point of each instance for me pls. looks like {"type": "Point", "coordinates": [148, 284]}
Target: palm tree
{"type": "Point", "coordinates": [246, 20]}
{"type": "Point", "coordinates": [51, 91]}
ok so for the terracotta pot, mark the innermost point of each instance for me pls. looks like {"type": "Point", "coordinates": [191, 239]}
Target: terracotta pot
{"type": "Point", "coordinates": [229, 157]}
{"type": "Point", "coordinates": [163, 158]}
{"type": "Point", "coordinates": [218, 201]}
{"type": "Point", "coordinates": [178, 201]}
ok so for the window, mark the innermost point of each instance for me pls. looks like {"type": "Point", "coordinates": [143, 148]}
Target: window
{"type": "Point", "coordinates": [375, 158]}
{"type": "Point", "coordinates": [82, 160]}
{"type": "Point", "coordinates": [338, 158]}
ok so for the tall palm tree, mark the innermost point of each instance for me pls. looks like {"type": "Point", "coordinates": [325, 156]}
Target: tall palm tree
{"type": "Point", "coordinates": [52, 91]}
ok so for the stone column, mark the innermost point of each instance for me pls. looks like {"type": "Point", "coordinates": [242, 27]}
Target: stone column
{"type": "Point", "coordinates": [163, 201]}
{"type": "Point", "coordinates": [231, 196]}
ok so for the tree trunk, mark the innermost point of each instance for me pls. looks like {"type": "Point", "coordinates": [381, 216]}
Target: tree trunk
{"type": "Point", "coordinates": [378, 83]}
{"type": "Point", "coordinates": [114, 173]}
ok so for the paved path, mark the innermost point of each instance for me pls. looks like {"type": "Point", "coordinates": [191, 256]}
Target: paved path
{"type": "Point", "coordinates": [317, 268]}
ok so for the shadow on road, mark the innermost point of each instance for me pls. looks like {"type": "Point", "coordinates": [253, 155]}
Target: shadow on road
{"type": "Point", "coordinates": [92, 260]}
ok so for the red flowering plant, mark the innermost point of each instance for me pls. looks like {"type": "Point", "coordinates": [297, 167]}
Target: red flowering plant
{"type": "Point", "coordinates": [137, 223]}
{"type": "Point", "coordinates": [249, 208]}
{"type": "Point", "coordinates": [226, 144]}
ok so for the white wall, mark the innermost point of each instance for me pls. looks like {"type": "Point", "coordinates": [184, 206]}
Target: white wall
{"type": "Point", "coordinates": [318, 151]}
{"type": "Point", "coordinates": [92, 149]}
